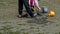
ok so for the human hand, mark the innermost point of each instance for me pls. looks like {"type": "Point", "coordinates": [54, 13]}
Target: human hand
{"type": "Point", "coordinates": [39, 8]}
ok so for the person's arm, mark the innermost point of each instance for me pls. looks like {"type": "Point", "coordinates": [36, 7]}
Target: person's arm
{"type": "Point", "coordinates": [38, 0]}
{"type": "Point", "coordinates": [37, 4]}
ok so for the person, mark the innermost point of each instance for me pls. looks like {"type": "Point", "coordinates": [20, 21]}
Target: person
{"type": "Point", "coordinates": [37, 4]}
{"type": "Point", "coordinates": [33, 3]}
{"type": "Point", "coordinates": [26, 4]}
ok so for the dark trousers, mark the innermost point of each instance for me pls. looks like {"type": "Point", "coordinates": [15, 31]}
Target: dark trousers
{"type": "Point", "coordinates": [26, 4]}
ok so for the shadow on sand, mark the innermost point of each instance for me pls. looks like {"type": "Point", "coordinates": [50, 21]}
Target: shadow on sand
{"type": "Point", "coordinates": [41, 20]}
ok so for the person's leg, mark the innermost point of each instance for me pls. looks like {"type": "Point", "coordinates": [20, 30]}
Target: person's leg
{"type": "Point", "coordinates": [20, 7]}
{"type": "Point", "coordinates": [26, 3]}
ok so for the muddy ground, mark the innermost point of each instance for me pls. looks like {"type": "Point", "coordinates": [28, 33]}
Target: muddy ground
{"type": "Point", "coordinates": [11, 24]}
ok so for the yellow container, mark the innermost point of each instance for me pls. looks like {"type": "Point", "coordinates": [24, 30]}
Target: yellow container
{"type": "Point", "coordinates": [51, 13]}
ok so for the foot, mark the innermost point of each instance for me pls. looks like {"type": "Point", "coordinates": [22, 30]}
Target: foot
{"type": "Point", "coordinates": [19, 16]}
{"type": "Point", "coordinates": [35, 14]}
